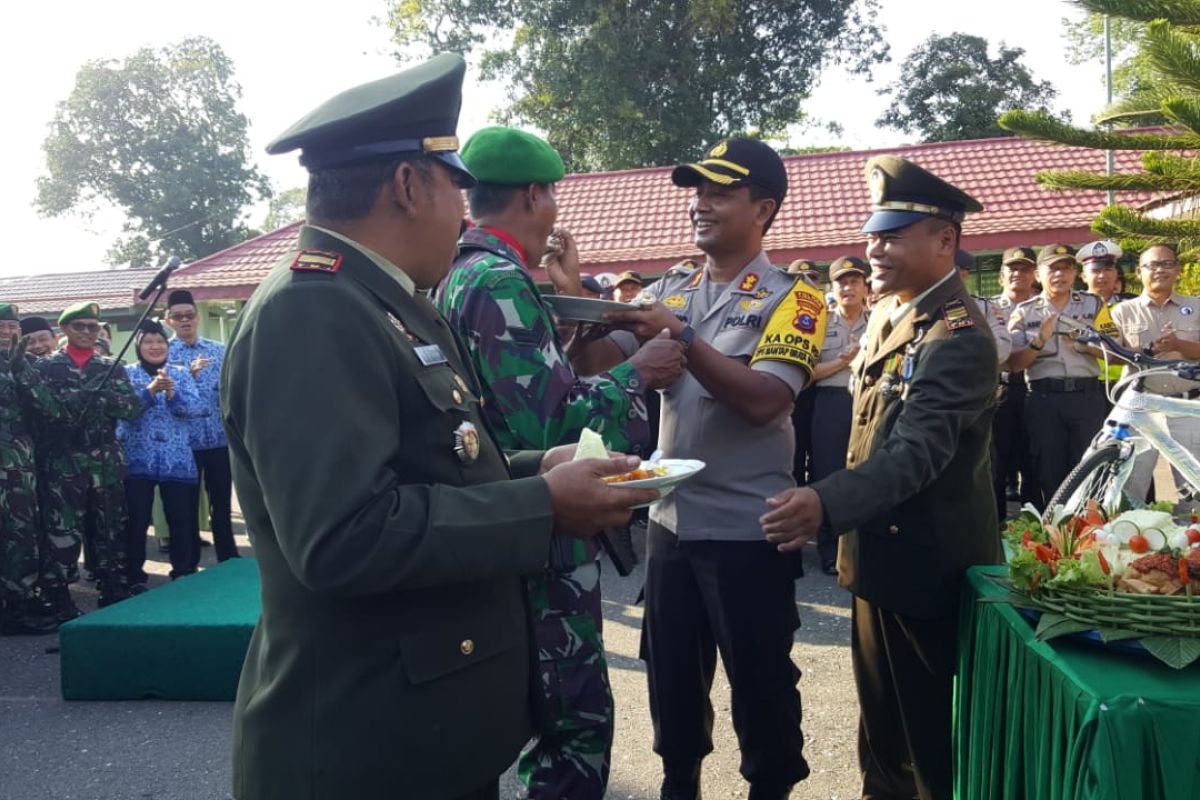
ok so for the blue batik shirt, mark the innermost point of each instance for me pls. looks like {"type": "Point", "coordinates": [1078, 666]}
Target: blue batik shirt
{"type": "Point", "coordinates": [206, 430]}
{"type": "Point", "coordinates": [157, 443]}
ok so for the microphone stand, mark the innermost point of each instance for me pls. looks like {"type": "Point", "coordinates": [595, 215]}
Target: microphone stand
{"type": "Point", "coordinates": [157, 286]}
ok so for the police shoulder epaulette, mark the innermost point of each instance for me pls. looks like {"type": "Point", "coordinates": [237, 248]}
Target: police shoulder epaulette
{"type": "Point", "coordinates": [956, 315]}
{"type": "Point", "coordinates": [325, 261]}
{"type": "Point", "coordinates": [682, 268]}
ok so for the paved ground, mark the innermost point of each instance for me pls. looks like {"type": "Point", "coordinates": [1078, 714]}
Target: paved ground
{"type": "Point", "coordinates": [149, 750]}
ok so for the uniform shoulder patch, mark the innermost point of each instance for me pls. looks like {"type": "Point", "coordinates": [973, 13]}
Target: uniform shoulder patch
{"type": "Point", "coordinates": [317, 261]}
{"type": "Point", "coordinates": [682, 268]}
{"type": "Point", "coordinates": [749, 282]}
{"type": "Point", "coordinates": [956, 315]}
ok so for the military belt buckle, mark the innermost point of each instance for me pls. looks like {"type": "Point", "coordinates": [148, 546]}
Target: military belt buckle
{"type": "Point", "coordinates": [1068, 385]}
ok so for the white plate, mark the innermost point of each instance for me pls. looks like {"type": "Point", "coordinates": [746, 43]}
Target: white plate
{"type": "Point", "coordinates": [678, 471]}
{"type": "Point", "coordinates": [583, 309]}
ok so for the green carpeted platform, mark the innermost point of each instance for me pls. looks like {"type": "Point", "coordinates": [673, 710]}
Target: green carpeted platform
{"type": "Point", "coordinates": [182, 641]}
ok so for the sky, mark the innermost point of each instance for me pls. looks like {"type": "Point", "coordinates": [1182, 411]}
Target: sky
{"type": "Point", "coordinates": [290, 56]}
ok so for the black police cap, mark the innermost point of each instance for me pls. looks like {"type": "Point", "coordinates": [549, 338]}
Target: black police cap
{"type": "Point", "coordinates": [737, 162]}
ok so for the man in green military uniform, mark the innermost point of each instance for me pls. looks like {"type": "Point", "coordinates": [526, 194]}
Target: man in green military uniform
{"type": "Point", "coordinates": [915, 507]}
{"type": "Point", "coordinates": [22, 609]}
{"type": "Point", "coordinates": [83, 467]}
{"type": "Point", "coordinates": [392, 657]}
{"type": "Point", "coordinates": [535, 400]}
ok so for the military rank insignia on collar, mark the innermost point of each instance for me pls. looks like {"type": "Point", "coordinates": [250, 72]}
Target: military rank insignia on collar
{"type": "Point", "coordinates": [762, 294]}
{"type": "Point", "coordinates": [699, 276]}
{"type": "Point", "coordinates": [748, 283]}
{"type": "Point", "coordinates": [956, 315]}
{"type": "Point", "coordinates": [317, 261]}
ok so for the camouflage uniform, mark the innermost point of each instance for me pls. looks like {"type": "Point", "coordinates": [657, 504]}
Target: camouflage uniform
{"type": "Point", "coordinates": [83, 468]}
{"type": "Point", "coordinates": [20, 530]}
{"type": "Point", "coordinates": [535, 401]}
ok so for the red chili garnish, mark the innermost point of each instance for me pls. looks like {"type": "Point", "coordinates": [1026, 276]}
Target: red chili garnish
{"type": "Point", "coordinates": [1183, 571]}
{"type": "Point", "coordinates": [1195, 516]}
{"type": "Point", "coordinates": [1104, 567]}
{"type": "Point", "coordinates": [1027, 538]}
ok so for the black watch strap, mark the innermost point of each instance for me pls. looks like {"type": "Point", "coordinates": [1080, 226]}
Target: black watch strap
{"type": "Point", "coordinates": [685, 336]}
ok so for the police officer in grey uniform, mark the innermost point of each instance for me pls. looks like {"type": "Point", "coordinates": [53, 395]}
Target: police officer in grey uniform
{"type": "Point", "coordinates": [828, 426]}
{"type": "Point", "coordinates": [1066, 405]}
{"type": "Point", "coordinates": [1013, 464]}
{"type": "Point", "coordinates": [712, 583]}
{"type": "Point", "coordinates": [997, 322]}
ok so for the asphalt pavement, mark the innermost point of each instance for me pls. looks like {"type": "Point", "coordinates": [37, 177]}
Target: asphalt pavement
{"type": "Point", "coordinates": [51, 749]}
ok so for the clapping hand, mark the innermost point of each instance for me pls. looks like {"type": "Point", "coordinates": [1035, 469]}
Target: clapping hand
{"type": "Point", "coordinates": [15, 360]}
{"type": "Point", "coordinates": [199, 364]}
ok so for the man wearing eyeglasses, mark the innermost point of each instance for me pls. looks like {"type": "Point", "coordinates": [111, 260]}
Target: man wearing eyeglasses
{"type": "Point", "coordinates": [84, 466]}
{"type": "Point", "coordinates": [209, 446]}
{"type": "Point", "coordinates": [1165, 324]}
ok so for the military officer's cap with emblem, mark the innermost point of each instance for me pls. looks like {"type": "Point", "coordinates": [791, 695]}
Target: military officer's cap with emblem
{"type": "Point", "coordinates": [800, 267]}
{"type": "Point", "coordinates": [414, 112]}
{"type": "Point", "coordinates": [1019, 255]}
{"type": "Point", "coordinates": [1103, 253]}
{"type": "Point", "coordinates": [737, 162]}
{"type": "Point", "coordinates": [8, 311]}
{"type": "Point", "coordinates": [903, 193]}
{"type": "Point", "coordinates": [847, 265]}
{"type": "Point", "coordinates": [510, 157]}
{"type": "Point", "coordinates": [88, 309]}
{"type": "Point", "coordinates": [1053, 253]}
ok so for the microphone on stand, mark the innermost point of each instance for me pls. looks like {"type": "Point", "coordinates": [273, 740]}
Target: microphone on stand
{"type": "Point", "coordinates": [160, 278]}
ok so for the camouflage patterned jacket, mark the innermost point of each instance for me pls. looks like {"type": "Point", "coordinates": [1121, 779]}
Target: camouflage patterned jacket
{"type": "Point", "coordinates": [18, 395]}
{"type": "Point", "coordinates": [536, 401]}
{"type": "Point", "coordinates": [92, 445]}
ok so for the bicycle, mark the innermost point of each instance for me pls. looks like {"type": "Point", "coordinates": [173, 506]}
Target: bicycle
{"type": "Point", "coordinates": [1137, 423]}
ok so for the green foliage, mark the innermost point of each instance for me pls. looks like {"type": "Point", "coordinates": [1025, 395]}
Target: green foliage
{"type": "Point", "coordinates": [950, 89]}
{"type": "Point", "coordinates": [160, 137]}
{"type": "Point", "coordinates": [286, 207]}
{"type": "Point", "coordinates": [1085, 44]}
{"type": "Point", "coordinates": [620, 85]}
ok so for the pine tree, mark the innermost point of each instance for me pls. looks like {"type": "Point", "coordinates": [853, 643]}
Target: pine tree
{"type": "Point", "coordinates": [1171, 101]}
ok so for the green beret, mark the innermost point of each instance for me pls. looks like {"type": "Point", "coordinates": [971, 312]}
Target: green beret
{"type": "Point", "coordinates": [8, 311]}
{"type": "Point", "coordinates": [511, 157]}
{"type": "Point", "coordinates": [88, 309]}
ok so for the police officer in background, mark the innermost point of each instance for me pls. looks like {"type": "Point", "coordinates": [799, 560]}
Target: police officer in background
{"type": "Point", "coordinates": [1102, 276]}
{"type": "Point", "coordinates": [1165, 324]}
{"type": "Point", "coordinates": [1015, 475]}
{"type": "Point", "coordinates": [997, 322]}
{"type": "Point", "coordinates": [1066, 404]}
{"type": "Point", "coordinates": [802, 409]}
{"type": "Point", "coordinates": [828, 426]}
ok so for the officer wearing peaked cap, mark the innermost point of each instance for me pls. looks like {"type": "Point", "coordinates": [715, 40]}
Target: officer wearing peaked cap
{"type": "Point", "coordinates": [914, 507]}
{"type": "Point", "coordinates": [1066, 404]}
{"type": "Point", "coordinates": [392, 657]}
{"type": "Point", "coordinates": [1015, 476]}
{"type": "Point", "coordinates": [997, 321]}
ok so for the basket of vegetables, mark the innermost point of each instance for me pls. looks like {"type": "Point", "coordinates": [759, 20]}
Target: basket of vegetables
{"type": "Point", "coordinates": [1132, 577]}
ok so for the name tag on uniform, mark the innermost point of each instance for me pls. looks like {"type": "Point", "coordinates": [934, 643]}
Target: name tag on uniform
{"type": "Point", "coordinates": [430, 354]}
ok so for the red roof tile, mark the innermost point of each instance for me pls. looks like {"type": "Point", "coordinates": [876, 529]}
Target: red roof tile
{"type": "Point", "coordinates": [52, 292]}
{"type": "Point", "coordinates": [637, 219]}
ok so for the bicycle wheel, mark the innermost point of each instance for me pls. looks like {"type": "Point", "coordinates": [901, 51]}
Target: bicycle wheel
{"type": "Point", "coordinates": [1096, 477]}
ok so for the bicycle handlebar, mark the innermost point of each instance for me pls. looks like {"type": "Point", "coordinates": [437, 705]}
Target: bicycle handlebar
{"type": "Point", "coordinates": [1188, 370]}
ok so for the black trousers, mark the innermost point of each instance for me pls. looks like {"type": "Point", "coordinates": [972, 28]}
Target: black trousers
{"type": "Point", "coordinates": [1061, 425]}
{"type": "Point", "coordinates": [830, 436]}
{"type": "Point", "coordinates": [802, 416]}
{"type": "Point", "coordinates": [218, 483]}
{"type": "Point", "coordinates": [904, 672]}
{"type": "Point", "coordinates": [738, 599]}
{"type": "Point", "coordinates": [1013, 464]}
{"type": "Point", "coordinates": [179, 507]}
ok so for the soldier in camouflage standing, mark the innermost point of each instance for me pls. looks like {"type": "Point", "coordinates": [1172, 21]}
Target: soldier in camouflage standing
{"type": "Point", "coordinates": [23, 610]}
{"type": "Point", "coordinates": [536, 400]}
{"type": "Point", "coordinates": [83, 463]}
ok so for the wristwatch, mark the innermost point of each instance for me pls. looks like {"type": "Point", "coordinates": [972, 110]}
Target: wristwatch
{"type": "Point", "coordinates": [685, 337]}
{"type": "Point", "coordinates": [1034, 346]}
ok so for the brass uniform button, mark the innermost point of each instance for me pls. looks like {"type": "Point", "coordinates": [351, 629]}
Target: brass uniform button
{"type": "Point", "coordinates": [869, 381]}
{"type": "Point", "coordinates": [456, 395]}
{"type": "Point", "coordinates": [467, 647]}
{"type": "Point", "coordinates": [893, 529]}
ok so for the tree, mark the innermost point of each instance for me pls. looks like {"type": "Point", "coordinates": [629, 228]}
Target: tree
{"type": "Point", "coordinates": [619, 85]}
{"type": "Point", "coordinates": [949, 88]}
{"type": "Point", "coordinates": [1170, 92]}
{"type": "Point", "coordinates": [285, 208]}
{"type": "Point", "coordinates": [1085, 44]}
{"type": "Point", "coordinates": [160, 137]}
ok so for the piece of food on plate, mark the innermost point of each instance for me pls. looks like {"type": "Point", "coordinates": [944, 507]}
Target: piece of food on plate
{"type": "Point", "coordinates": [640, 474]}
{"type": "Point", "coordinates": [590, 445]}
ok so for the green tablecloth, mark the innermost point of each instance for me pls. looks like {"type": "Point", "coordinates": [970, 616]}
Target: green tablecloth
{"type": "Point", "coordinates": [1067, 719]}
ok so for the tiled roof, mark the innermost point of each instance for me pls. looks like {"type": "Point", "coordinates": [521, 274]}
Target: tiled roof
{"type": "Point", "coordinates": [50, 293]}
{"type": "Point", "coordinates": [637, 219]}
